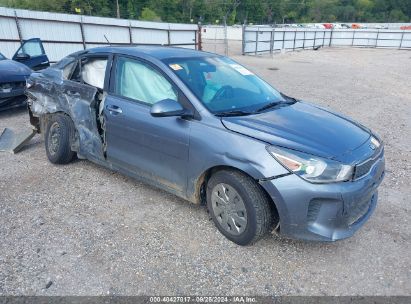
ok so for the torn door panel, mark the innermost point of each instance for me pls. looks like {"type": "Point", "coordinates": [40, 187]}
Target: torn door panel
{"type": "Point", "coordinates": [49, 93]}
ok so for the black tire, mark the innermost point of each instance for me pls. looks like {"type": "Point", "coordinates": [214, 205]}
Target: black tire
{"type": "Point", "coordinates": [58, 135]}
{"type": "Point", "coordinates": [259, 215]}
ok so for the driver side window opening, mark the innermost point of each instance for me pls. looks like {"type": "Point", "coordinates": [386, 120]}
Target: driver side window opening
{"type": "Point", "coordinates": [141, 82]}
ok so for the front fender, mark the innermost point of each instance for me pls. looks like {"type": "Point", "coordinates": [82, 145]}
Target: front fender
{"type": "Point", "coordinates": [213, 146]}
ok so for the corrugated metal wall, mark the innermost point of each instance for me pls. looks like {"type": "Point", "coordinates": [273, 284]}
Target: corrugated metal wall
{"type": "Point", "coordinates": [63, 34]}
{"type": "Point", "coordinates": [216, 32]}
{"type": "Point", "coordinates": [257, 40]}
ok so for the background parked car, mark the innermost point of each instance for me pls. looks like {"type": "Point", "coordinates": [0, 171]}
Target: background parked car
{"type": "Point", "coordinates": [13, 73]}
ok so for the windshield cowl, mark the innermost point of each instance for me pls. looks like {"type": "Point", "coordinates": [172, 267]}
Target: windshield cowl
{"type": "Point", "coordinates": [233, 113]}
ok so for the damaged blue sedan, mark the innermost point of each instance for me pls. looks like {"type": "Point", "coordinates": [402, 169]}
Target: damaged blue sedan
{"type": "Point", "coordinates": [209, 130]}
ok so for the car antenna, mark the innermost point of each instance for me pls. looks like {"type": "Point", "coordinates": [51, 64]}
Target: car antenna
{"type": "Point", "coordinates": [107, 40]}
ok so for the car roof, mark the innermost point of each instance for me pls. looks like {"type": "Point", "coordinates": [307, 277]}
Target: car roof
{"type": "Point", "coordinates": [158, 52]}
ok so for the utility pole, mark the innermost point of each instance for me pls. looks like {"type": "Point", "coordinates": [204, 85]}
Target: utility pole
{"type": "Point", "coordinates": [118, 9]}
{"type": "Point", "coordinates": [225, 36]}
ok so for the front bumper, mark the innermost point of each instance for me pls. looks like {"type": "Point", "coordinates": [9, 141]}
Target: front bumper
{"type": "Point", "coordinates": [324, 212]}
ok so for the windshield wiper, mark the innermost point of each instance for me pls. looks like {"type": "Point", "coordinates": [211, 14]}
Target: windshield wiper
{"type": "Point", "coordinates": [232, 113]}
{"type": "Point", "coordinates": [272, 104]}
{"type": "Point", "coordinates": [290, 99]}
{"type": "Point", "coordinates": [268, 106]}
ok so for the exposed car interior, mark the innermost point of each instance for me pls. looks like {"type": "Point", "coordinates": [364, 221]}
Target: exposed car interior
{"type": "Point", "coordinates": [91, 71]}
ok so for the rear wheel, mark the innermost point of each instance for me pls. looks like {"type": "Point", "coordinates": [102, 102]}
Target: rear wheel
{"type": "Point", "coordinates": [58, 136]}
{"type": "Point", "coordinates": [238, 206]}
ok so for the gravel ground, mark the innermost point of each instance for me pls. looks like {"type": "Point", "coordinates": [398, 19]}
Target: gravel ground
{"type": "Point", "coordinates": [80, 229]}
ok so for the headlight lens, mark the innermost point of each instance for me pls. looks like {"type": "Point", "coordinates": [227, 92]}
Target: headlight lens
{"type": "Point", "coordinates": [312, 168]}
{"type": "Point", "coordinates": [29, 84]}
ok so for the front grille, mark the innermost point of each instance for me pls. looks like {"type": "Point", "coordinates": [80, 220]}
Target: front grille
{"type": "Point", "coordinates": [12, 86]}
{"type": "Point", "coordinates": [365, 167]}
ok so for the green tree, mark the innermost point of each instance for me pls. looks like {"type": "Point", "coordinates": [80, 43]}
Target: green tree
{"type": "Point", "coordinates": [231, 17]}
{"type": "Point", "coordinates": [236, 11]}
{"type": "Point", "coordinates": [149, 15]}
{"type": "Point", "coordinates": [397, 15]}
{"type": "Point", "coordinates": [131, 9]}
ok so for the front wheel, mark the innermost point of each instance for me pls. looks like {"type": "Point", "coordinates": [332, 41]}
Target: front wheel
{"type": "Point", "coordinates": [238, 206]}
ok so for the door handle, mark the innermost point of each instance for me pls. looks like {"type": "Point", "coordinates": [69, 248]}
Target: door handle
{"type": "Point", "coordinates": [114, 110]}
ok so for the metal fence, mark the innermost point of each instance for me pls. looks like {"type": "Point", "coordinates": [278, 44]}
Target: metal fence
{"type": "Point", "coordinates": [259, 40]}
{"type": "Point", "coordinates": [63, 34]}
{"type": "Point", "coordinates": [215, 39]}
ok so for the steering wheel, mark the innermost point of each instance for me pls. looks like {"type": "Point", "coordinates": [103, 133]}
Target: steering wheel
{"type": "Point", "coordinates": [221, 92]}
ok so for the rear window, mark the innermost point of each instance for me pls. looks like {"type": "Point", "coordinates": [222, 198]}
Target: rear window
{"type": "Point", "coordinates": [66, 65]}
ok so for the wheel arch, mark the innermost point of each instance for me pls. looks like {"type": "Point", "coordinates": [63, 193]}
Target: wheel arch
{"type": "Point", "coordinates": [44, 119]}
{"type": "Point", "coordinates": [202, 180]}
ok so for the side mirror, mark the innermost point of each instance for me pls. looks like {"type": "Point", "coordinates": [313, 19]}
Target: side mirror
{"type": "Point", "coordinates": [167, 108]}
{"type": "Point", "coordinates": [22, 56]}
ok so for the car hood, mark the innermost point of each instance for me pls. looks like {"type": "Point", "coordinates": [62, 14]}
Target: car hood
{"type": "Point", "coordinates": [11, 71]}
{"type": "Point", "coordinates": [303, 127]}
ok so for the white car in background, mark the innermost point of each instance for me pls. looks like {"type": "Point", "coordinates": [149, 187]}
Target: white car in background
{"type": "Point", "coordinates": [319, 26]}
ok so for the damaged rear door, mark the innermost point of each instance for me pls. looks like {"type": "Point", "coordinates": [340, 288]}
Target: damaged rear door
{"type": "Point", "coordinates": [83, 109]}
{"type": "Point", "coordinates": [154, 148]}
{"type": "Point", "coordinates": [75, 89]}
{"type": "Point", "coordinates": [84, 94]}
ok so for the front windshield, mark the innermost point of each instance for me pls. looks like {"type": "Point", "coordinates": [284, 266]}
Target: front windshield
{"type": "Point", "coordinates": [2, 56]}
{"type": "Point", "coordinates": [223, 85]}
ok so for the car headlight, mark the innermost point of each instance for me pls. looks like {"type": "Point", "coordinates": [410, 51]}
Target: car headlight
{"type": "Point", "coordinates": [29, 84]}
{"type": "Point", "coordinates": [312, 168]}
